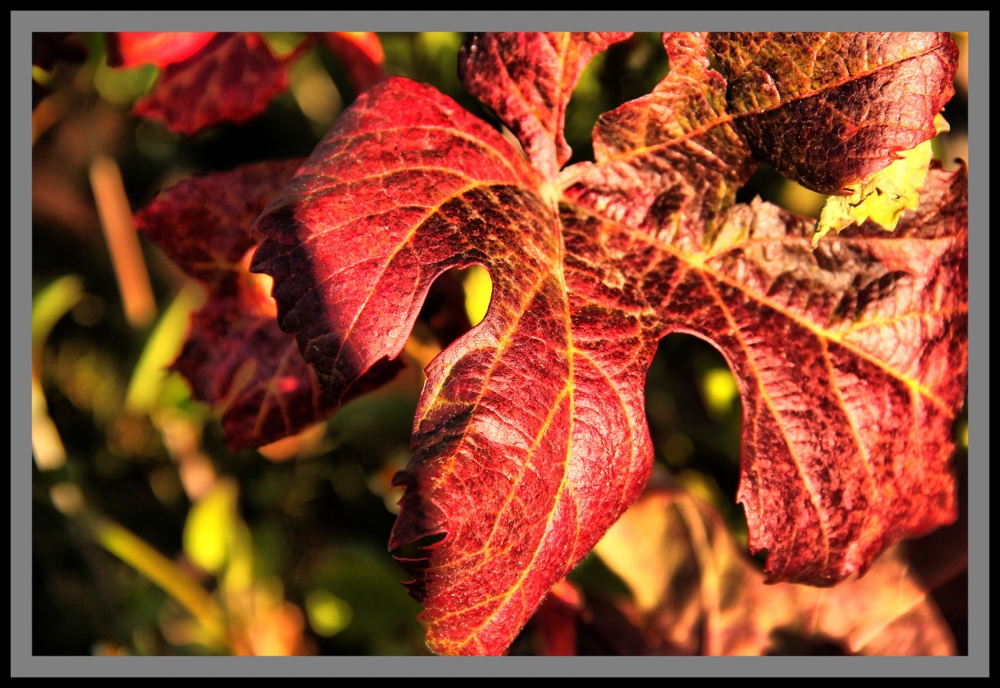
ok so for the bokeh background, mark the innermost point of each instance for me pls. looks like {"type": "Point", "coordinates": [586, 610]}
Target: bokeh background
{"type": "Point", "coordinates": [151, 538]}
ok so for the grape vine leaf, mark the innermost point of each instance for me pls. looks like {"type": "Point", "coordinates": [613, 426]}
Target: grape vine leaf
{"type": "Point", "coordinates": [232, 78]}
{"type": "Point", "coordinates": [831, 109]}
{"type": "Point", "coordinates": [527, 79]}
{"type": "Point", "coordinates": [695, 591]}
{"type": "Point", "coordinates": [530, 437]}
{"type": "Point", "coordinates": [236, 358]}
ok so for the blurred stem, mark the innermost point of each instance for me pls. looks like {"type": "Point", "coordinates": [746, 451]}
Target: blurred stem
{"type": "Point", "coordinates": [46, 446]}
{"type": "Point", "coordinates": [123, 243]}
{"type": "Point", "coordinates": [136, 553]}
{"type": "Point", "coordinates": [162, 348]}
{"type": "Point", "coordinates": [47, 307]}
{"type": "Point", "coordinates": [710, 577]}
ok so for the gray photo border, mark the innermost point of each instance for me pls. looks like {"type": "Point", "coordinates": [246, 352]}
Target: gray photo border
{"type": "Point", "coordinates": [24, 664]}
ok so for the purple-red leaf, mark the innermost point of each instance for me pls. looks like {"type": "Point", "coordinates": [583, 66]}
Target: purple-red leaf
{"type": "Point", "coordinates": [670, 162]}
{"type": "Point", "coordinates": [850, 360]}
{"type": "Point", "coordinates": [236, 358]}
{"type": "Point", "coordinates": [203, 223]}
{"type": "Point", "coordinates": [527, 79]}
{"type": "Point", "coordinates": [231, 79]}
{"type": "Point", "coordinates": [830, 109]}
{"type": "Point", "coordinates": [530, 437]}
{"type": "Point", "coordinates": [518, 463]}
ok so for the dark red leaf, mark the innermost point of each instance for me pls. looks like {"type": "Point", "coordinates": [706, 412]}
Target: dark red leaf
{"type": "Point", "coordinates": [239, 361]}
{"type": "Point", "coordinates": [507, 430]}
{"type": "Point", "coordinates": [236, 358]}
{"type": "Point", "coordinates": [360, 52]}
{"type": "Point", "coordinates": [530, 437]}
{"type": "Point", "coordinates": [528, 78]}
{"type": "Point", "coordinates": [203, 224]}
{"type": "Point", "coordinates": [850, 360]}
{"type": "Point", "coordinates": [231, 79]}
{"type": "Point", "coordinates": [161, 48]}
{"type": "Point", "coordinates": [556, 621]}
{"type": "Point", "coordinates": [670, 162]}
{"type": "Point", "coordinates": [830, 109]}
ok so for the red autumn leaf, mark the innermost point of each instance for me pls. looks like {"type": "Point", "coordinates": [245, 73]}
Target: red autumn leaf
{"type": "Point", "coordinates": [231, 79]}
{"type": "Point", "coordinates": [850, 361]}
{"type": "Point", "coordinates": [345, 251]}
{"type": "Point", "coordinates": [528, 78]}
{"type": "Point", "coordinates": [695, 591]}
{"type": "Point", "coordinates": [670, 162]}
{"type": "Point", "coordinates": [236, 358]}
{"type": "Point", "coordinates": [803, 91]}
{"type": "Point", "coordinates": [530, 435]}
{"type": "Point", "coordinates": [361, 54]}
{"type": "Point", "coordinates": [161, 48]}
{"type": "Point", "coordinates": [203, 223]}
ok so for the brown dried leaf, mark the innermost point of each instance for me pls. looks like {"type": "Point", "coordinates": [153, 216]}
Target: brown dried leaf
{"type": "Point", "coordinates": [696, 590]}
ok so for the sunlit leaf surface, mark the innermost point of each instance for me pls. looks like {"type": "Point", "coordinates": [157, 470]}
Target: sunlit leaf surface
{"type": "Point", "coordinates": [530, 437]}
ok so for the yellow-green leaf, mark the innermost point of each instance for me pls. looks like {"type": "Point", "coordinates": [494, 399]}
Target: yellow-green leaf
{"type": "Point", "coordinates": [209, 527]}
{"type": "Point", "coordinates": [884, 196]}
